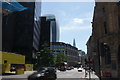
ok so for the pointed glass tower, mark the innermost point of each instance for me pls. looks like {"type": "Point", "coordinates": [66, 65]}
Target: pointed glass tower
{"type": "Point", "coordinates": [74, 44]}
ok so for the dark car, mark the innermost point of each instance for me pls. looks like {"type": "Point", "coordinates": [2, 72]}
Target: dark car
{"type": "Point", "coordinates": [69, 68]}
{"type": "Point", "coordinates": [44, 73]}
{"type": "Point", "coordinates": [62, 68]}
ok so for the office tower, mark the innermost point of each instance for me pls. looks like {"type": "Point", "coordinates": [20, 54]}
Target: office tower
{"type": "Point", "coordinates": [21, 31]}
{"type": "Point", "coordinates": [49, 29]}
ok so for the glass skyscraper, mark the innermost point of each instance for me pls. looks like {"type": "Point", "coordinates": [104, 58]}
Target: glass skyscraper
{"type": "Point", "coordinates": [51, 28]}
{"type": "Point", "coordinates": [21, 31]}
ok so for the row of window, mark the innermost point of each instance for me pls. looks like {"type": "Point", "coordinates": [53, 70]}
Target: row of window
{"type": "Point", "coordinates": [58, 49]}
{"type": "Point", "coordinates": [57, 46]}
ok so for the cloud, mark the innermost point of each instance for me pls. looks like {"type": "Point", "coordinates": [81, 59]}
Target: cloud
{"type": "Point", "coordinates": [81, 20]}
{"type": "Point", "coordinates": [78, 20]}
{"type": "Point", "coordinates": [74, 28]}
{"type": "Point", "coordinates": [76, 24]}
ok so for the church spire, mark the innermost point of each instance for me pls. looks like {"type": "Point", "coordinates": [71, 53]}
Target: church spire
{"type": "Point", "coordinates": [74, 44]}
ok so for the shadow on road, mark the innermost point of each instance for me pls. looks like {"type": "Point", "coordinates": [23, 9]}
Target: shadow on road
{"type": "Point", "coordinates": [8, 74]}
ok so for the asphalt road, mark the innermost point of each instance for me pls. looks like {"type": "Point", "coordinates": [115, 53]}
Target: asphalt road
{"type": "Point", "coordinates": [74, 75]}
{"type": "Point", "coordinates": [71, 74]}
{"type": "Point", "coordinates": [61, 75]}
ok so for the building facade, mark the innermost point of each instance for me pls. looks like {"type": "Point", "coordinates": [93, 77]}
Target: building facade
{"type": "Point", "coordinates": [104, 44]}
{"type": "Point", "coordinates": [21, 31]}
{"type": "Point", "coordinates": [73, 56]}
{"type": "Point", "coordinates": [82, 57]}
{"type": "Point", "coordinates": [70, 51]}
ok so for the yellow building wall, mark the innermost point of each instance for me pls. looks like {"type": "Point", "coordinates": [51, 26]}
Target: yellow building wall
{"type": "Point", "coordinates": [6, 68]}
{"type": "Point", "coordinates": [12, 58]}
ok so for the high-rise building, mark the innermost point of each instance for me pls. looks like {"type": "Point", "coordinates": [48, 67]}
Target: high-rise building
{"type": "Point", "coordinates": [6, 8]}
{"type": "Point", "coordinates": [21, 31]}
{"type": "Point", "coordinates": [49, 29]}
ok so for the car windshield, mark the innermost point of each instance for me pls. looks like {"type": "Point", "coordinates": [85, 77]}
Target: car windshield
{"type": "Point", "coordinates": [41, 69]}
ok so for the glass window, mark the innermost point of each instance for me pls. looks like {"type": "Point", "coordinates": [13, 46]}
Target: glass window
{"type": "Point", "coordinates": [119, 53]}
{"type": "Point", "coordinates": [107, 55]}
{"type": "Point", "coordinates": [105, 27]}
{"type": "Point", "coordinates": [119, 21]}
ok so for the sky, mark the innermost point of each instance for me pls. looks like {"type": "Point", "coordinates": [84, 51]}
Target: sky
{"type": "Point", "coordinates": [74, 20]}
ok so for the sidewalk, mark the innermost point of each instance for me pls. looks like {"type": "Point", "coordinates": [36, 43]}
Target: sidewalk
{"type": "Point", "coordinates": [23, 76]}
{"type": "Point", "coordinates": [92, 75]}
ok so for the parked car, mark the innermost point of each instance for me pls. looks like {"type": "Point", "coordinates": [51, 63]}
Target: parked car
{"type": "Point", "coordinates": [68, 68]}
{"type": "Point", "coordinates": [72, 67]}
{"type": "Point", "coordinates": [62, 68]}
{"type": "Point", "coordinates": [79, 69]}
{"type": "Point", "coordinates": [44, 73]}
{"type": "Point", "coordinates": [13, 68]}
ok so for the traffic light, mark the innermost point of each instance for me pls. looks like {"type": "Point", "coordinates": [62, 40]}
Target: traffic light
{"type": "Point", "coordinates": [90, 60]}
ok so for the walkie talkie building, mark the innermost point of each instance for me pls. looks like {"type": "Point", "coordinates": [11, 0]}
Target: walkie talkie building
{"type": "Point", "coordinates": [49, 29]}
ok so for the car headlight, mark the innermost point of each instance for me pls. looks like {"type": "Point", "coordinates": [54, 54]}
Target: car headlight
{"type": "Point", "coordinates": [42, 74]}
{"type": "Point", "coordinates": [38, 75]}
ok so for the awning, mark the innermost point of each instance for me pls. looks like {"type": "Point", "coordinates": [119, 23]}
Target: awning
{"type": "Point", "coordinates": [12, 6]}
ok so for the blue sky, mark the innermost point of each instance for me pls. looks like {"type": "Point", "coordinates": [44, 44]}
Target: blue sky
{"type": "Point", "coordinates": [74, 19]}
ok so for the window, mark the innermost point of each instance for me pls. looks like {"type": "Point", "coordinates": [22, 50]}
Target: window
{"type": "Point", "coordinates": [102, 50]}
{"type": "Point", "coordinates": [103, 9]}
{"type": "Point", "coordinates": [119, 21]}
{"type": "Point", "coordinates": [119, 54]}
{"type": "Point", "coordinates": [105, 27]}
{"type": "Point", "coordinates": [107, 55]}
{"type": "Point", "coordinates": [5, 61]}
{"type": "Point", "coordinates": [105, 52]}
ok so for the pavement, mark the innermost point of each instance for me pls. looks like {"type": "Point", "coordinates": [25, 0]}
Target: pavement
{"type": "Point", "coordinates": [21, 76]}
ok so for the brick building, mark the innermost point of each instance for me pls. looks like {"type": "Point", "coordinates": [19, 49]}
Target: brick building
{"type": "Point", "coordinates": [104, 43]}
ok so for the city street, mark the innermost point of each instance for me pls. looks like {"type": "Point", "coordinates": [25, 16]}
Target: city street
{"type": "Point", "coordinates": [71, 74]}
{"type": "Point", "coordinates": [74, 75]}
{"type": "Point", "coordinates": [61, 75]}
{"type": "Point", "coordinates": [42, 35]}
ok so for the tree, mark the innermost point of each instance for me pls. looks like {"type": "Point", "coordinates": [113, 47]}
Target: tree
{"type": "Point", "coordinates": [61, 57]}
{"type": "Point", "coordinates": [45, 57]}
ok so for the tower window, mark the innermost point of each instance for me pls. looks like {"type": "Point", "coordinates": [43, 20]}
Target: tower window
{"type": "Point", "coordinates": [105, 27]}
{"type": "Point", "coordinates": [103, 9]}
{"type": "Point", "coordinates": [119, 53]}
{"type": "Point", "coordinates": [119, 21]}
{"type": "Point", "coordinates": [107, 55]}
